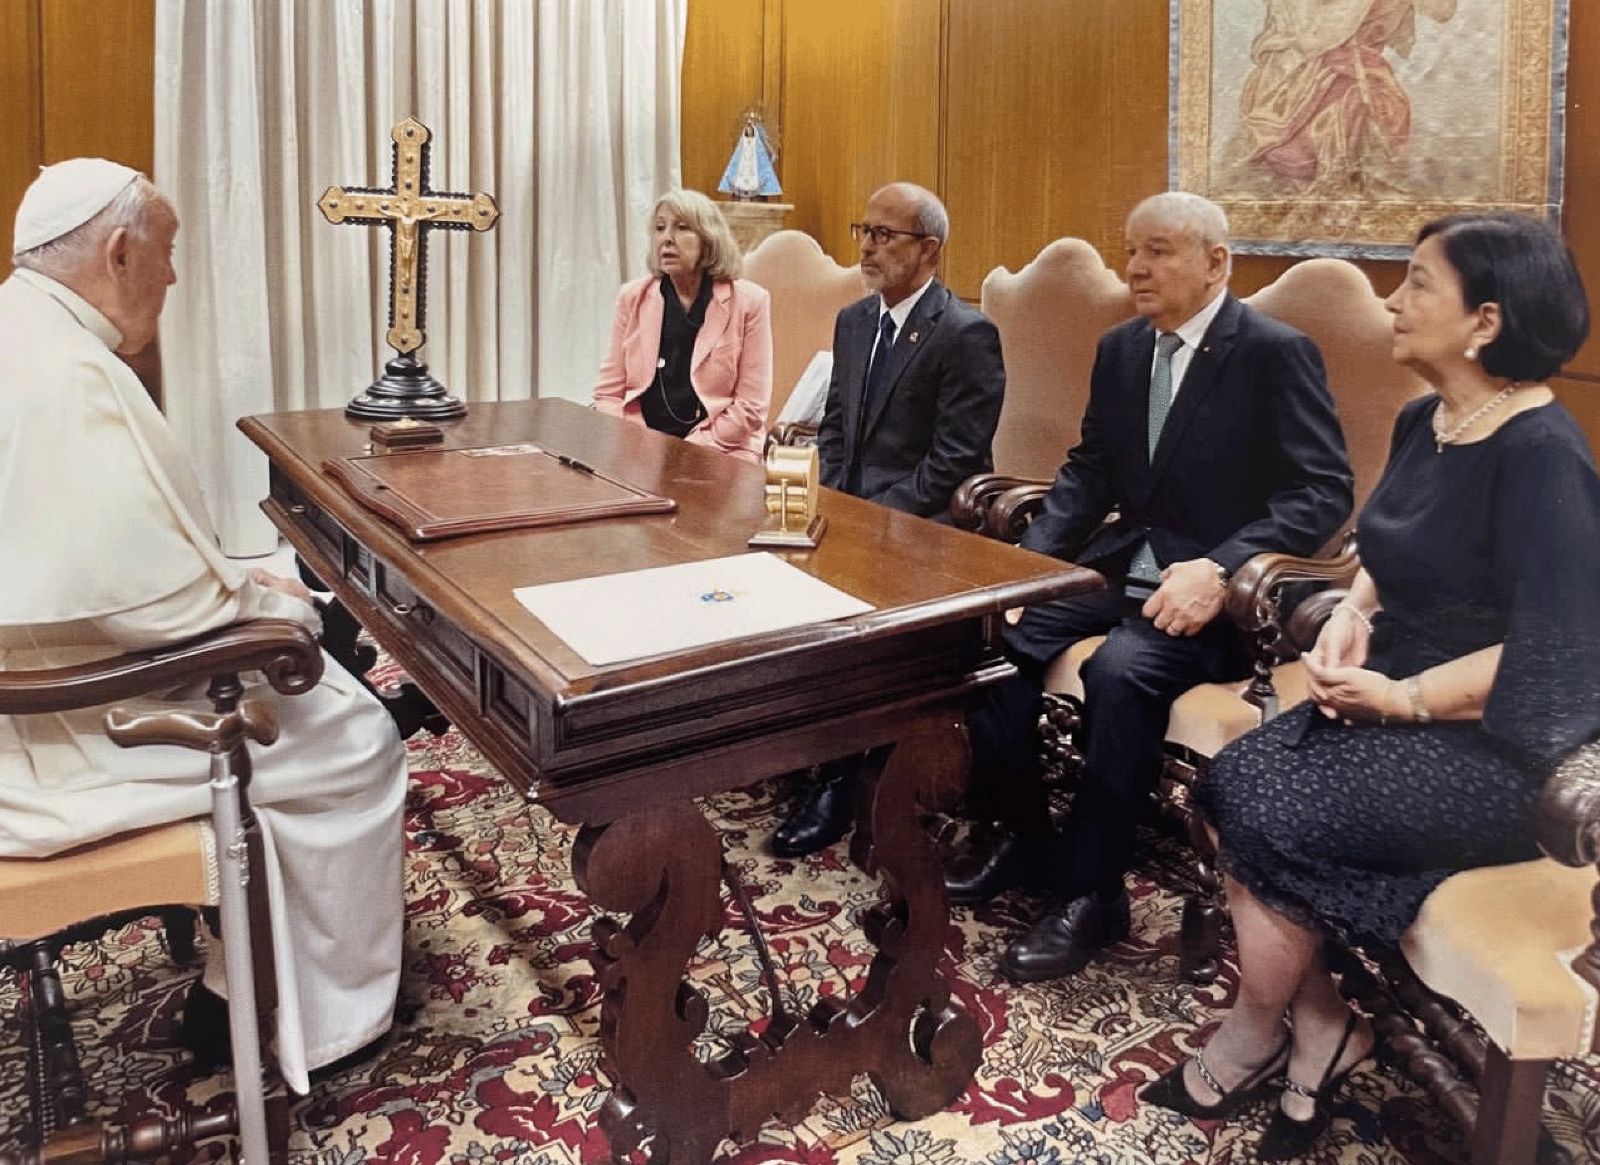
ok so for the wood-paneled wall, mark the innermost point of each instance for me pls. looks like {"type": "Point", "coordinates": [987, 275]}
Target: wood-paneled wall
{"type": "Point", "coordinates": [77, 77]}
{"type": "Point", "coordinates": [1033, 119]}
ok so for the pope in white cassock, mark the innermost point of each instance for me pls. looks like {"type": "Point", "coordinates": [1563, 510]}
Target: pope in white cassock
{"type": "Point", "coordinates": [107, 547]}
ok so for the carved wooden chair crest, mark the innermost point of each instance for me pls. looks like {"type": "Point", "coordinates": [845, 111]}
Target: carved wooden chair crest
{"type": "Point", "coordinates": [48, 903]}
{"type": "Point", "coordinates": [808, 290]}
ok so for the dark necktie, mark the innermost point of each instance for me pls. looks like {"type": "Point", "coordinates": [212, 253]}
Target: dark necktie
{"type": "Point", "coordinates": [1143, 569]}
{"type": "Point", "coordinates": [878, 373]}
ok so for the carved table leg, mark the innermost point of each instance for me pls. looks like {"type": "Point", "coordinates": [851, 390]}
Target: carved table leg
{"type": "Point", "coordinates": [903, 1029]}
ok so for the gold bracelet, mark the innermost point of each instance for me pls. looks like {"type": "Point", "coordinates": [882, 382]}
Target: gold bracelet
{"type": "Point", "coordinates": [1419, 710]}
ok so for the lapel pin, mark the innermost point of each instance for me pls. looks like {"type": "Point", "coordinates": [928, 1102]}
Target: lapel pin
{"type": "Point", "coordinates": [912, 337]}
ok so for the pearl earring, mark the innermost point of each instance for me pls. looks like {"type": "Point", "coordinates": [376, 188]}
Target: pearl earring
{"type": "Point", "coordinates": [1471, 353]}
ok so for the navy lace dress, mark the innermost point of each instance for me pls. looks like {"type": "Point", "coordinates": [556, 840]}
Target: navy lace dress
{"type": "Point", "coordinates": [1497, 541]}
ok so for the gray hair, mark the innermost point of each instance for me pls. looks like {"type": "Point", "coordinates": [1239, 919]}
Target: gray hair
{"type": "Point", "coordinates": [932, 218]}
{"type": "Point", "coordinates": [67, 253]}
{"type": "Point", "coordinates": [1198, 217]}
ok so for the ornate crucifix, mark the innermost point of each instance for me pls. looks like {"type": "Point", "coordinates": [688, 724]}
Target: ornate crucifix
{"type": "Point", "coordinates": [410, 210]}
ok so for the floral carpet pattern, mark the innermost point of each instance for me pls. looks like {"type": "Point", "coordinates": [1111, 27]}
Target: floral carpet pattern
{"type": "Point", "coordinates": [494, 1056]}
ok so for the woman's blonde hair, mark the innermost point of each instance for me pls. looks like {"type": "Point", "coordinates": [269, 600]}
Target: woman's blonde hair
{"type": "Point", "coordinates": [720, 257]}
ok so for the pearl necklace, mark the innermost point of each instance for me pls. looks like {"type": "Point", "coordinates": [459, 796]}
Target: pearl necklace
{"type": "Point", "coordinates": [1441, 438]}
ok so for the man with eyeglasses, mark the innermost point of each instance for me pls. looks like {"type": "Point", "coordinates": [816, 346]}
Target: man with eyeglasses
{"type": "Point", "coordinates": [911, 413]}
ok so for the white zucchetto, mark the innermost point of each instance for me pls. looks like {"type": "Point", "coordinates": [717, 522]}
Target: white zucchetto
{"type": "Point", "coordinates": [64, 197]}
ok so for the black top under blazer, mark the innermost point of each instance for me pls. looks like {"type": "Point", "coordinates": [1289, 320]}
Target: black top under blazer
{"type": "Point", "coordinates": [934, 424]}
{"type": "Point", "coordinates": [1251, 457]}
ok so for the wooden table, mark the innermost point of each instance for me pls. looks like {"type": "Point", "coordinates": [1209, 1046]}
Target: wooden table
{"type": "Point", "coordinates": [623, 749]}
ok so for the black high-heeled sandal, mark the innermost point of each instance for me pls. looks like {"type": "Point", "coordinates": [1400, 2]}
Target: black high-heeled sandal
{"type": "Point", "coordinates": [1171, 1092]}
{"type": "Point", "coordinates": [1285, 1137]}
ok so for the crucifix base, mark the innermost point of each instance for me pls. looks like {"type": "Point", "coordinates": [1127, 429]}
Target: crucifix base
{"type": "Point", "coordinates": [406, 389]}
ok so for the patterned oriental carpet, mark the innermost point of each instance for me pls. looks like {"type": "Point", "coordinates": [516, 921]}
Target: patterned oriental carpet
{"type": "Point", "coordinates": [494, 1056]}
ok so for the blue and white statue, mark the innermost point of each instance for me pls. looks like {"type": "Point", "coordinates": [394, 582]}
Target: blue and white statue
{"type": "Point", "coordinates": [749, 173]}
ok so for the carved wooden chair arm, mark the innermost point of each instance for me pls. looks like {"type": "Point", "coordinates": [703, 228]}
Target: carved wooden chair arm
{"type": "Point", "coordinates": [797, 433]}
{"type": "Point", "coordinates": [969, 505]}
{"type": "Point", "coordinates": [1256, 599]}
{"type": "Point", "coordinates": [1305, 622]}
{"type": "Point", "coordinates": [1014, 508]}
{"type": "Point", "coordinates": [1255, 593]}
{"type": "Point", "coordinates": [284, 651]}
{"type": "Point", "coordinates": [1567, 815]}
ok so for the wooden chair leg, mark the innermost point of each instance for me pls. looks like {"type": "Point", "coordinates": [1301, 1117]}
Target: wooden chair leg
{"type": "Point", "coordinates": [60, 1075]}
{"type": "Point", "coordinates": [1200, 939]}
{"type": "Point", "coordinates": [1510, 1110]}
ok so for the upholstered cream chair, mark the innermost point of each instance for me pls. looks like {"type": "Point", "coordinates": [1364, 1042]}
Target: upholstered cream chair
{"type": "Point", "coordinates": [808, 290]}
{"type": "Point", "coordinates": [48, 903]}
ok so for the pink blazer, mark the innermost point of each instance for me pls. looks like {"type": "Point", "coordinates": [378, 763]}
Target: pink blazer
{"type": "Point", "coordinates": [731, 368]}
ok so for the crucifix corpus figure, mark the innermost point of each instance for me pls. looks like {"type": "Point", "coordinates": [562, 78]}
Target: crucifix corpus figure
{"type": "Point", "coordinates": [409, 209]}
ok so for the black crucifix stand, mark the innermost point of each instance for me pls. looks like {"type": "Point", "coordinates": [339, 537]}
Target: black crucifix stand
{"type": "Point", "coordinates": [410, 210]}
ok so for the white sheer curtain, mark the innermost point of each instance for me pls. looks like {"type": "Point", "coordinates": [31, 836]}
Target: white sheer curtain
{"type": "Point", "coordinates": [565, 110]}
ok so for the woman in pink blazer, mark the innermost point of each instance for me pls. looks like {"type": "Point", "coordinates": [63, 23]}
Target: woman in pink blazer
{"type": "Point", "coordinates": [691, 346]}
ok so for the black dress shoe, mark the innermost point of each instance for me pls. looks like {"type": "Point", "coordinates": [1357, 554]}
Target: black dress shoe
{"type": "Point", "coordinates": [992, 866]}
{"type": "Point", "coordinates": [1062, 943]}
{"type": "Point", "coordinates": [824, 815]}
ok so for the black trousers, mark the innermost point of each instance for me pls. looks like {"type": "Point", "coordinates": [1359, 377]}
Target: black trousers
{"type": "Point", "coordinates": [1129, 685]}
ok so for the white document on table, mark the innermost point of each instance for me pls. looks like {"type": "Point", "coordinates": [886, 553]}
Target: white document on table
{"type": "Point", "coordinates": [638, 613]}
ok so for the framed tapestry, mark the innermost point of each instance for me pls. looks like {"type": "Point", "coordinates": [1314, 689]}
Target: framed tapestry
{"type": "Point", "coordinates": [1338, 127]}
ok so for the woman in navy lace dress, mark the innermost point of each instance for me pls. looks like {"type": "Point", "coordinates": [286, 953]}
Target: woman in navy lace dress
{"type": "Point", "coordinates": [1463, 665]}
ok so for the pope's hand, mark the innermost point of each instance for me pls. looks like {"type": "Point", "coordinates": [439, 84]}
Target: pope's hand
{"type": "Point", "coordinates": [292, 587]}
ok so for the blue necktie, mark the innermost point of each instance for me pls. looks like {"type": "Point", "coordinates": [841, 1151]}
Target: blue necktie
{"type": "Point", "coordinates": [1143, 568]}
{"type": "Point", "coordinates": [878, 373]}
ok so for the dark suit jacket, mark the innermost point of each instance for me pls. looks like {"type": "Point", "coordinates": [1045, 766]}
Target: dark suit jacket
{"type": "Point", "coordinates": [1251, 457]}
{"type": "Point", "coordinates": [933, 425]}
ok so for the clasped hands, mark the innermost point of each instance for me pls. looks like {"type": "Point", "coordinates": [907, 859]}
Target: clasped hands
{"type": "Point", "coordinates": [1190, 596]}
{"type": "Point", "coordinates": [1340, 686]}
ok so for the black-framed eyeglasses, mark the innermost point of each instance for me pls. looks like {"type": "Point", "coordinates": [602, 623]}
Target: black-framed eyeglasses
{"type": "Point", "coordinates": [881, 235]}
